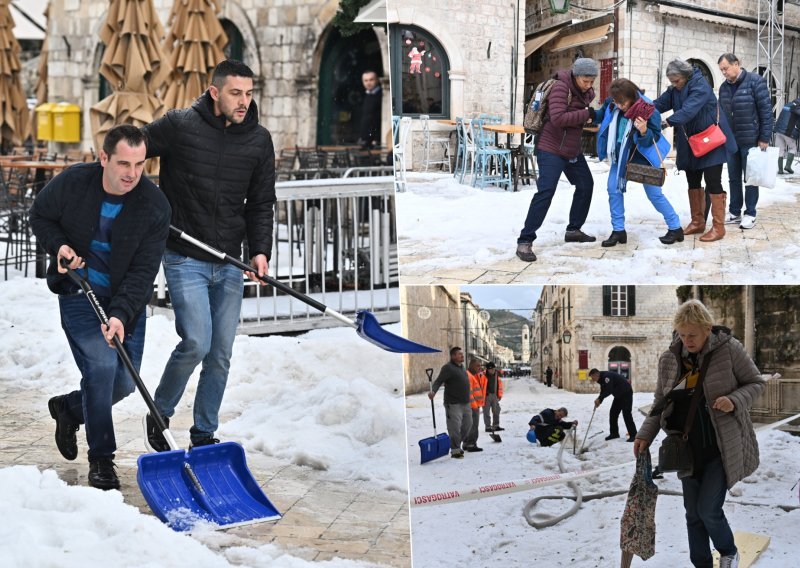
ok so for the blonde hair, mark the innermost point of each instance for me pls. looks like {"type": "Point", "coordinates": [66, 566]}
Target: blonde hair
{"type": "Point", "coordinates": [693, 312]}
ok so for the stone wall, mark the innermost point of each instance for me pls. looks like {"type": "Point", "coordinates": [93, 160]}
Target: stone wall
{"type": "Point", "coordinates": [283, 40]}
{"type": "Point", "coordinates": [441, 329]}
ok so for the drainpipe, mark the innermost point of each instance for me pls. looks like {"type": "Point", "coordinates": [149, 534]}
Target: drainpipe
{"type": "Point", "coordinates": [749, 320]}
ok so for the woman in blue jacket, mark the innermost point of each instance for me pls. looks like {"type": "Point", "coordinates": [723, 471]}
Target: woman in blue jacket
{"type": "Point", "coordinates": [630, 131]}
{"type": "Point", "coordinates": [695, 109]}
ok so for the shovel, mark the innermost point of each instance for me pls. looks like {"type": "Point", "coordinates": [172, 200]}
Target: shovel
{"type": "Point", "coordinates": [587, 430]}
{"type": "Point", "coordinates": [366, 324]}
{"type": "Point", "coordinates": [209, 484]}
{"type": "Point", "coordinates": [439, 445]}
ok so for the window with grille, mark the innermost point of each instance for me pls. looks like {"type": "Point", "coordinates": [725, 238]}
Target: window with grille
{"type": "Point", "coordinates": [619, 301]}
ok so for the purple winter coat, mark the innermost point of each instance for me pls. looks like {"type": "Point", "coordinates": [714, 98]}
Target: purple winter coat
{"type": "Point", "coordinates": [561, 133]}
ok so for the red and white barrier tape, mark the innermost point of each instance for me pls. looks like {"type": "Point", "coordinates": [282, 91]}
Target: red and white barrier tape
{"type": "Point", "coordinates": [501, 488]}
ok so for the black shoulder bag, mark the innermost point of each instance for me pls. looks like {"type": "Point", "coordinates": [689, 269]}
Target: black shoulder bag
{"type": "Point", "coordinates": [675, 453]}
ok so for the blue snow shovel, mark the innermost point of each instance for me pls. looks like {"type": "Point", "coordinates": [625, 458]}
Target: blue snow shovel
{"type": "Point", "coordinates": [439, 444]}
{"type": "Point", "coordinates": [207, 484]}
{"type": "Point", "coordinates": [366, 325]}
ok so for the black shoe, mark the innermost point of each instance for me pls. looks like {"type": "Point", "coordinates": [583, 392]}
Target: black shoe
{"type": "Point", "coordinates": [102, 474]}
{"type": "Point", "coordinates": [631, 439]}
{"type": "Point", "coordinates": [578, 236]}
{"type": "Point", "coordinates": [153, 437]}
{"type": "Point", "coordinates": [472, 449]}
{"type": "Point", "coordinates": [657, 473]}
{"type": "Point", "coordinates": [612, 437]}
{"type": "Point", "coordinates": [66, 440]}
{"type": "Point", "coordinates": [525, 252]}
{"type": "Point", "coordinates": [489, 429]}
{"type": "Point", "coordinates": [458, 456]}
{"type": "Point", "coordinates": [616, 237]}
{"type": "Point", "coordinates": [672, 236]}
{"type": "Point", "coordinates": [497, 428]}
{"type": "Point", "coordinates": [203, 442]}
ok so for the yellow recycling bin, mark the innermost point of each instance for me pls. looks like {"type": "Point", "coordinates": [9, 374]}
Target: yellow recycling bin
{"type": "Point", "coordinates": [67, 123]}
{"type": "Point", "coordinates": [44, 121]}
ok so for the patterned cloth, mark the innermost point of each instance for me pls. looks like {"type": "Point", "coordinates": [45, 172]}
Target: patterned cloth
{"type": "Point", "coordinates": [638, 523]}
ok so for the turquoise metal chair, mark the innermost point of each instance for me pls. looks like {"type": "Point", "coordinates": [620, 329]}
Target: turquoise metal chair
{"type": "Point", "coordinates": [492, 164]}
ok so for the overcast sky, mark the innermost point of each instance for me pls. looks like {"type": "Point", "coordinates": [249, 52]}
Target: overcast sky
{"type": "Point", "coordinates": [519, 299]}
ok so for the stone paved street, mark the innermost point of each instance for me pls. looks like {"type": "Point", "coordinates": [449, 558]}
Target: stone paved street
{"type": "Point", "coordinates": [323, 518]}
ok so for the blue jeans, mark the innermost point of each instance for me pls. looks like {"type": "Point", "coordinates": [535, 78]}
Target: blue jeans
{"type": "Point", "coordinates": [207, 299]}
{"type": "Point", "coordinates": [550, 168]}
{"type": "Point", "coordinates": [703, 497]}
{"type": "Point", "coordinates": [104, 378]}
{"type": "Point", "coordinates": [737, 166]}
{"type": "Point", "coordinates": [616, 203]}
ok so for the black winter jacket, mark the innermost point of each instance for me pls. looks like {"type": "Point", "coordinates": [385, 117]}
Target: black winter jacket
{"type": "Point", "coordinates": [66, 212]}
{"type": "Point", "coordinates": [219, 181]}
{"type": "Point", "coordinates": [613, 384]}
{"type": "Point", "coordinates": [748, 110]}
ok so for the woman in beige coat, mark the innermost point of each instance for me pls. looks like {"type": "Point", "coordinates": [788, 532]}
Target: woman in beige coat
{"type": "Point", "coordinates": [721, 438]}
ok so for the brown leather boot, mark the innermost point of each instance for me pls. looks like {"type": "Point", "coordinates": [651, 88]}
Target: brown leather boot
{"type": "Point", "coordinates": [718, 208]}
{"type": "Point", "coordinates": [697, 205]}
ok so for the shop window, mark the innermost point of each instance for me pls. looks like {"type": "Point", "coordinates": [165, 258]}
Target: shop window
{"type": "Point", "coordinates": [420, 81]}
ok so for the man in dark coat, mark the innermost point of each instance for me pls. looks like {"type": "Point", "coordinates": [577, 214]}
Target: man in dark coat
{"type": "Point", "coordinates": [744, 98]}
{"type": "Point", "coordinates": [549, 376]}
{"type": "Point", "coordinates": [456, 400]}
{"type": "Point", "coordinates": [614, 384]}
{"type": "Point", "coordinates": [549, 425]}
{"type": "Point", "coordinates": [111, 224]}
{"type": "Point", "coordinates": [218, 172]}
{"type": "Point", "coordinates": [369, 132]}
{"type": "Point", "coordinates": [558, 150]}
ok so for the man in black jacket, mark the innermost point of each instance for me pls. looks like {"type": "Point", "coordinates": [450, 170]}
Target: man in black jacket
{"type": "Point", "coordinates": [218, 172]}
{"type": "Point", "coordinates": [370, 124]}
{"type": "Point", "coordinates": [614, 384]}
{"type": "Point", "coordinates": [456, 400]}
{"type": "Point", "coordinates": [111, 224]}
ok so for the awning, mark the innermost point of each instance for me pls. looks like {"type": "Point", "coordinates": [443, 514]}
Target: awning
{"type": "Point", "coordinates": [693, 15]}
{"type": "Point", "coordinates": [586, 37]}
{"type": "Point", "coordinates": [536, 42]}
{"type": "Point", "coordinates": [372, 13]}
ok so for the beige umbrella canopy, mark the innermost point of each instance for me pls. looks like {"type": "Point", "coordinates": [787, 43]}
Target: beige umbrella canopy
{"type": "Point", "coordinates": [196, 39]}
{"type": "Point", "coordinates": [134, 64]}
{"type": "Point", "coordinates": [14, 125]}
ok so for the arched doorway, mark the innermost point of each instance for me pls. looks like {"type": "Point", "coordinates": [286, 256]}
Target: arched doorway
{"type": "Point", "coordinates": [704, 70]}
{"type": "Point", "coordinates": [619, 361]}
{"type": "Point", "coordinates": [341, 93]}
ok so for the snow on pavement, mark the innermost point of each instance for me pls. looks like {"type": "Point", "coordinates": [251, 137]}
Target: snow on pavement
{"type": "Point", "coordinates": [493, 531]}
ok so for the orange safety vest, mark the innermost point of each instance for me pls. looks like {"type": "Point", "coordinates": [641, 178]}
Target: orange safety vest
{"type": "Point", "coordinates": [499, 384]}
{"type": "Point", "coordinates": [477, 390]}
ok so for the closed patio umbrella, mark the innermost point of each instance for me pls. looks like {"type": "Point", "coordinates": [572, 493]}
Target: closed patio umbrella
{"type": "Point", "coordinates": [14, 125]}
{"type": "Point", "coordinates": [196, 39]}
{"type": "Point", "coordinates": [134, 64]}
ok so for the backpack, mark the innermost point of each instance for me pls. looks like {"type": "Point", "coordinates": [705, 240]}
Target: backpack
{"type": "Point", "coordinates": [536, 114]}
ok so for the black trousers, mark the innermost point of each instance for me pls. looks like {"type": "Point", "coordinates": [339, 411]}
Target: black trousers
{"type": "Point", "coordinates": [622, 404]}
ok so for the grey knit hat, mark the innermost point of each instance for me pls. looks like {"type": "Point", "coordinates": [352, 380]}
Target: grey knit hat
{"type": "Point", "coordinates": [584, 67]}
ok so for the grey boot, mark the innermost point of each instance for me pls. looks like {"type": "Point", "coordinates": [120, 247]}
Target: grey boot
{"type": "Point", "coordinates": [525, 252]}
{"type": "Point", "coordinates": [789, 161]}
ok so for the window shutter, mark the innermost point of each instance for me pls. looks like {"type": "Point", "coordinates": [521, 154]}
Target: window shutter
{"type": "Point", "coordinates": [631, 300]}
{"type": "Point", "coordinates": [606, 300]}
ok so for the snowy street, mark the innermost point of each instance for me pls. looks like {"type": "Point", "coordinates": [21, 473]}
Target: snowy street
{"type": "Point", "coordinates": [452, 233]}
{"type": "Point", "coordinates": [320, 416]}
{"type": "Point", "coordinates": [492, 531]}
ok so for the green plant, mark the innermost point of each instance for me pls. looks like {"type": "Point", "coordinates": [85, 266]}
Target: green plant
{"type": "Point", "coordinates": [348, 10]}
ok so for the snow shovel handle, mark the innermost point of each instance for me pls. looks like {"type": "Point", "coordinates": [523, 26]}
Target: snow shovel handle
{"type": "Point", "coordinates": [587, 430]}
{"type": "Point", "coordinates": [176, 232]}
{"type": "Point", "coordinates": [429, 372]}
{"type": "Point", "coordinates": [122, 352]}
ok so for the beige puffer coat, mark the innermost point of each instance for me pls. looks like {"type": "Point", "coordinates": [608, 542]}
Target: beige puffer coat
{"type": "Point", "coordinates": [731, 373]}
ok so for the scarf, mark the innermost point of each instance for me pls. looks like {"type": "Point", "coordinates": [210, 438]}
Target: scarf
{"type": "Point", "coordinates": [640, 108]}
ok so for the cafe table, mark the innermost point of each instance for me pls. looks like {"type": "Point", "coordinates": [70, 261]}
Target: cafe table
{"type": "Point", "coordinates": [518, 153]}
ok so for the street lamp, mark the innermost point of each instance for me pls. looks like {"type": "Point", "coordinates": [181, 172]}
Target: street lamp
{"type": "Point", "coordinates": [566, 336]}
{"type": "Point", "coordinates": [559, 6]}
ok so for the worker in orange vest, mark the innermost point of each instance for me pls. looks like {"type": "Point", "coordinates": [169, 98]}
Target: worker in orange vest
{"type": "Point", "coordinates": [493, 395]}
{"type": "Point", "coordinates": [477, 387]}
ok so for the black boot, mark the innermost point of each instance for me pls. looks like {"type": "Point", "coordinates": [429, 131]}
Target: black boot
{"type": "Point", "coordinates": [102, 474]}
{"type": "Point", "coordinates": [66, 440]}
{"type": "Point", "coordinates": [789, 161]}
{"type": "Point", "coordinates": [672, 236]}
{"type": "Point", "coordinates": [616, 237]}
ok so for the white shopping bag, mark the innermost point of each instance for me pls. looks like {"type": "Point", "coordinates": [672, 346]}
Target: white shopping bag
{"type": "Point", "coordinates": [762, 167]}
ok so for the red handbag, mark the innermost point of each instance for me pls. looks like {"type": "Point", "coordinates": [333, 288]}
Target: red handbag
{"type": "Point", "coordinates": [710, 138]}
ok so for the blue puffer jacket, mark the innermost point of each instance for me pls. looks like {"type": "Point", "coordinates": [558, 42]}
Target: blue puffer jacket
{"type": "Point", "coordinates": [695, 109]}
{"type": "Point", "coordinates": [748, 110]}
{"type": "Point", "coordinates": [787, 123]}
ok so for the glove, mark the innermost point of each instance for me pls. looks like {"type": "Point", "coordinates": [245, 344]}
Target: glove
{"type": "Point", "coordinates": [592, 113]}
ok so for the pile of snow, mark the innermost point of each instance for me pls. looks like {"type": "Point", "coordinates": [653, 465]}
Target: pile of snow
{"type": "Point", "coordinates": [485, 531]}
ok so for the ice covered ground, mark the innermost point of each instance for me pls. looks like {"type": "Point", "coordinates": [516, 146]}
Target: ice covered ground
{"type": "Point", "coordinates": [444, 226]}
{"type": "Point", "coordinates": [493, 532]}
{"type": "Point", "coordinates": [326, 399]}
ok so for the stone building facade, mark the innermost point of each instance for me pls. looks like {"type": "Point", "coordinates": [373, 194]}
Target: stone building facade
{"type": "Point", "coordinates": [287, 44]}
{"type": "Point", "coordinates": [430, 315]}
{"type": "Point", "coordinates": [619, 328]}
{"type": "Point", "coordinates": [642, 37]}
{"type": "Point", "coordinates": [478, 41]}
